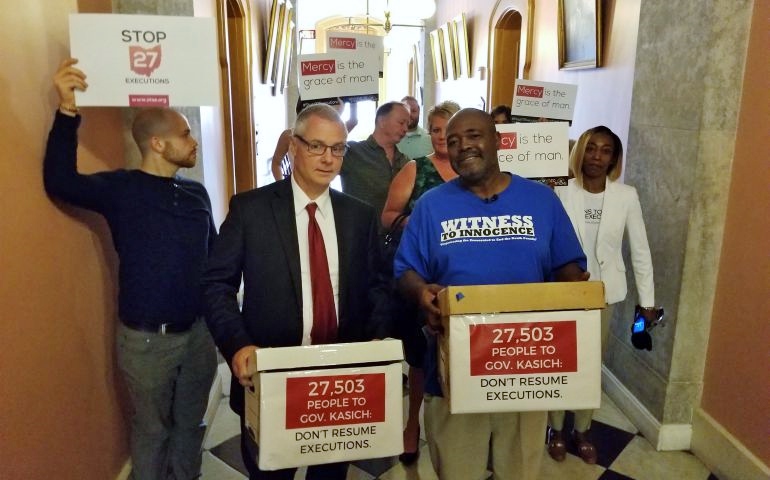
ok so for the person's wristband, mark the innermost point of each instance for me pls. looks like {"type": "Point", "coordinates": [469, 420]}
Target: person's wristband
{"type": "Point", "coordinates": [69, 108]}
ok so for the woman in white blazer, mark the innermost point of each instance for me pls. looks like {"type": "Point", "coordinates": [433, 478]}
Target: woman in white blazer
{"type": "Point", "coordinates": [601, 210]}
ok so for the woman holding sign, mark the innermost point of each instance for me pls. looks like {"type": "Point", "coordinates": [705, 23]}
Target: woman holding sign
{"type": "Point", "coordinates": [601, 210]}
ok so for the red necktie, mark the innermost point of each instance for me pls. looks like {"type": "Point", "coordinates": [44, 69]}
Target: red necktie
{"type": "Point", "coordinates": [324, 317]}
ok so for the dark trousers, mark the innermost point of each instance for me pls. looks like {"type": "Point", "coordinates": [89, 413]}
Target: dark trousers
{"type": "Point", "coordinates": [249, 451]}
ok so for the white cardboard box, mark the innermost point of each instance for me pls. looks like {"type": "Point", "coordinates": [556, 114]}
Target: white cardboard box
{"type": "Point", "coordinates": [526, 347]}
{"type": "Point", "coordinates": [326, 403]}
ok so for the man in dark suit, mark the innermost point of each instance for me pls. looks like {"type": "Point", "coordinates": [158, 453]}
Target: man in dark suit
{"type": "Point", "coordinates": [266, 240]}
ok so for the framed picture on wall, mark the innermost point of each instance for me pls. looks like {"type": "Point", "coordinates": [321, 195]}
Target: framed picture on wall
{"type": "Point", "coordinates": [272, 44]}
{"type": "Point", "coordinates": [461, 52]}
{"type": "Point", "coordinates": [437, 53]}
{"type": "Point", "coordinates": [286, 46]}
{"type": "Point", "coordinates": [414, 71]}
{"type": "Point", "coordinates": [447, 37]}
{"type": "Point", "coordinates": [278, 36]}
{"type": "Point", "coordinates": [580, 34]}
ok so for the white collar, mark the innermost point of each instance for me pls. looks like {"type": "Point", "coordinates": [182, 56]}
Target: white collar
{"type": "Point", "coordinates": [301, 200]}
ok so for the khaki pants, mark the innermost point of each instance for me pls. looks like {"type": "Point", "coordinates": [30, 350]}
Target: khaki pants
{"type": "Point", "coordinates": [459, 444]}
{"type": "Point", "coordinates": [583, 417]}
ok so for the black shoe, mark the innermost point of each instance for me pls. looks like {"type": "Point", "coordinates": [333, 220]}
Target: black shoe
{"type": "Point", "coordinates": [409, 458]}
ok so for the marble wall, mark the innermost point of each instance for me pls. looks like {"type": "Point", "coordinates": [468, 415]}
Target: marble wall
{"type": "Point", "coordinates": [689, 70]}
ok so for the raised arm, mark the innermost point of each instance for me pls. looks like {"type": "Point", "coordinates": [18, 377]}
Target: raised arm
{"type": "Point", "coordinates": [281, 149]}
{"type": "Point", "coordinates": [353, 119]}
{"type": "Point", "coordinates": [60, 175]}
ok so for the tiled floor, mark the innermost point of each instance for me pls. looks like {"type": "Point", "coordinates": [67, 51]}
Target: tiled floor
{"type": "Point", "coordinates": [623, 454]}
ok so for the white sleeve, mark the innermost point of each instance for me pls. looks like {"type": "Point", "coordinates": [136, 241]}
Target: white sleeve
{"type": "Point", "coordinates": [640, 252]}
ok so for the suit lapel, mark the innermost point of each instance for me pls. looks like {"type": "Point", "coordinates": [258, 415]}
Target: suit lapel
{"type": "Point", "coordinates": [344, 247]}
{"type": "Point", "coordinates": [286, 224]}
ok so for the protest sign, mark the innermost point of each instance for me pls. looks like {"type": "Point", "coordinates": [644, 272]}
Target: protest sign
{"type": "Point", "coordinates": [350, 69]}
{"type": "Point", "coordinates": [543, 100]}
{"type": "Point", "coordinates": [145, 60]}
{"type": "Point", "coordinates": [534, 150]}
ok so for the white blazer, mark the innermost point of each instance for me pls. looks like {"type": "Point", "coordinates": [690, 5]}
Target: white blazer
{"type": "Point", "coordinates": [621, 212]}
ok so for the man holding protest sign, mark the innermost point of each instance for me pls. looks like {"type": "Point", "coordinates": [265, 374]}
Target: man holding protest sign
{"type": "Point", "coordinates": [546, 250]}
{"type": "Point", "coordinates": [162, 227]}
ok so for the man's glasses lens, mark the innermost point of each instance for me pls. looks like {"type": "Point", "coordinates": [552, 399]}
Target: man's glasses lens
{"type": "Point", "coordinates": [317, 148]}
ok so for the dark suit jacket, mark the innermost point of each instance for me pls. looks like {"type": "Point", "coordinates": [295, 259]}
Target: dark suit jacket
{"type": "Point", "coordinates": [258, 240]}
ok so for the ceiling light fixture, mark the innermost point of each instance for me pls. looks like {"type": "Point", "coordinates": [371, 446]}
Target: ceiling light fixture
{"type": "Point", "coordinates": [395, 9]}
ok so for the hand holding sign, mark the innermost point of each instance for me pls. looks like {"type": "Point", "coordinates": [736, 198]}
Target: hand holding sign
{"type": "Point", "coordinates": [67, 79]}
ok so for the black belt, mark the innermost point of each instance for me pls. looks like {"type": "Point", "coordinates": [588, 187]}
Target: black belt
{"type": "Point", "coordinates": [162, 329]}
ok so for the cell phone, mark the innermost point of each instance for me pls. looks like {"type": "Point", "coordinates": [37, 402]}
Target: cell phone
{"type": "Point", "coordinates": [639, 323]}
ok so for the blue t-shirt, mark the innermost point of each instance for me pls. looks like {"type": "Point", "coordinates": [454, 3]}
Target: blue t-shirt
{"type": "Point", "coordinates": [456, 238]}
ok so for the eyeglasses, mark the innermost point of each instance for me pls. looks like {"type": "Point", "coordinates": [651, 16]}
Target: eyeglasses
{"type": "Point", "coordinates": [318, 148]}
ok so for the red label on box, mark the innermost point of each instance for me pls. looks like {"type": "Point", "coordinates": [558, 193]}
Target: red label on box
{"type": "Point", "coordinates": [516, 348]}
{"type": "Point", "coordinates": [335, 400]}
{"type": "Point", "coordinates": [318, 67]}
{"type": "Point", "coordinates": [529, 91]}
{"type": "Point", "coordinates": [508, 140]}
{"type": "Point", "coordinates": [148, 100]}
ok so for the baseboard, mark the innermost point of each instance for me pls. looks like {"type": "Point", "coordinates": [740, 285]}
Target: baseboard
{"type": "Point", "coordinates": [722, 453]}
{"type": "Point", "coordinates": [125, 471]}
{"type": "Point", "coordinates": [662, 437]}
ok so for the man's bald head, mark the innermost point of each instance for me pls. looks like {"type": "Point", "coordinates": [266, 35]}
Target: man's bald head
{"type": "Point", "coordinates": [152, 122]}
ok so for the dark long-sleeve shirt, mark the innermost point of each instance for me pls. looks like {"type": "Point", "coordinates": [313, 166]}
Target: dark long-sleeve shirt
{"type": "Point", "coordinates": [161, 227]}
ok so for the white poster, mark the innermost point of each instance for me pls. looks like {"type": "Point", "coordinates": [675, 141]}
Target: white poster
{"type": "Point", "coordinates": [146, 60]}
{"type": "Point", "coordinates": [513, 362]}
{"type": "Point", "coordinates": [350, 69]}
{"type": "Point", "coordinates": [544, 99]}
{"type": "Point", "coordinates": [369, 46]}
{"type": "Point", "coordinates": [534, 150]}
{"type": "Point", "coordinates": [310, 417]}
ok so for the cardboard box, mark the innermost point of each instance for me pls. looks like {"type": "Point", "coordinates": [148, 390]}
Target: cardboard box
{"type": "Point", "coordinates": [525, 347]}
{"type": "Point", "coordinates": [326, 403]}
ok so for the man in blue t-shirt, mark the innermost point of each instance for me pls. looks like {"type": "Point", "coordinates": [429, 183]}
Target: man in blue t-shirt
{"type": "Point", "coordinates": [484, 227]}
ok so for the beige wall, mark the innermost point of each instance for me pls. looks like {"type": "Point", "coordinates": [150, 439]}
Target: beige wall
{"type": "Point", "coordinates": [736, 389]}
{"type": "Point", "coordinates": [61, 402]}
{"type": "Point", "coordinates": [65, 408]}
{"type": "Point", "coordinates": [604, 94]}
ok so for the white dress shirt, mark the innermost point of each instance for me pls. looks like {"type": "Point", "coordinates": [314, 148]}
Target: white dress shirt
{"type": "Point", "coordinates": [325, 218]}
